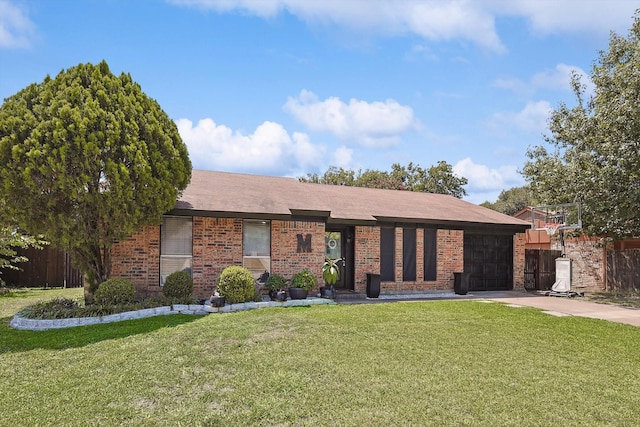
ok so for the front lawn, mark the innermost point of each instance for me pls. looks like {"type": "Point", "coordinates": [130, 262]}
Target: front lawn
{"type": "Point", "coordinates": [407, 363]}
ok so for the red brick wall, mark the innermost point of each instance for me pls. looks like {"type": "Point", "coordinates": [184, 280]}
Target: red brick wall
{"type": "Point", "coordinates": [217, 243]}
{"type": "Point", "coordinates": [588, 262]}
{"type": "Point", "coordinates": [367, 250]}
{"type": "Point", "coordinates": [285, 258]}
{"type": "Point", "coordinates": [450, 259]}
{"type": "Point", "coordinates": [138, 259]}
{"type": "Point", "coordinates": [520, 242]}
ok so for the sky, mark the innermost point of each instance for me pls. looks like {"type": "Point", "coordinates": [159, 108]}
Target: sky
{"type": "Point", "coordinates": [290, 87]}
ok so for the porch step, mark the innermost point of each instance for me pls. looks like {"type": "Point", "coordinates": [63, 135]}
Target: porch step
{"type": "Point", "coordinates": [348, 295]}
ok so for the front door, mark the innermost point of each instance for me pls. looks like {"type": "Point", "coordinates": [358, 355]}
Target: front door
{"type": "Point", "coordinates": [339, 245]}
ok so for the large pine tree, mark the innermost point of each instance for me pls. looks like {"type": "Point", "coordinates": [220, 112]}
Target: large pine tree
{"type": "Point", "coordinates": [86, 158]}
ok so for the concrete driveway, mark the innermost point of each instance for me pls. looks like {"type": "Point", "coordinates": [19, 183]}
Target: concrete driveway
{"type": "Point", "coordinates": [557, 306]}
{"type": "Point", "coordinates": [563, 306]}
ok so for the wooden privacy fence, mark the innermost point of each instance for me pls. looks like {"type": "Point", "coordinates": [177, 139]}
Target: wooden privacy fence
{"type": "Point", "coordinates": [540, 268]}
{"type": "Point", "coordinates": [46, 267]}
{"type": "Point", "coordinates": [623, 270]}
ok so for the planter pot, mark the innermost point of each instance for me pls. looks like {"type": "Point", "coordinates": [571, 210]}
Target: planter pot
{"type": "Point", "coordinates": [461, 283]}
{"type": "Point", "coordinates": [373, 285]}
{"type": "Point", "coordinates": [298, 293]}
{"type": "Point", "coordinates": [327, 292]}
{"type": "Point", "coordinates": [217, 301]}
{"type": "Point", "coordinates": [278, 295]}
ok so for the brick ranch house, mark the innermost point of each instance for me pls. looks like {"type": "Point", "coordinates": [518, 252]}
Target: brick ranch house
{"type": "Point", "coordinates": [415, 241]}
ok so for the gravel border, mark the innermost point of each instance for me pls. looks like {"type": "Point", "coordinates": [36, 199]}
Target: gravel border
{"type": "Point", "coordinates": [22, 323]}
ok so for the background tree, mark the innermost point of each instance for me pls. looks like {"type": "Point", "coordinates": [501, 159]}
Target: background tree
{"type": "Point", "coordinates": [333, 176]}
{"type": "Point", "coordinates": [86, 159]}
{"type": "Point", "coordinates": [437, 179]}
{"type": "Point", "coordinates": [512, 200]}
{"type": "Point", "coordinates": [596, 145]}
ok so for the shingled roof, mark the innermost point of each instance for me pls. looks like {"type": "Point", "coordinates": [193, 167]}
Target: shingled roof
{"type": "Point", "coordinates": [226, 194]}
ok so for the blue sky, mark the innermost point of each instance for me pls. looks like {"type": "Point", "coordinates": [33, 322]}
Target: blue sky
{"type": "Point", "coordinates": [287, 87]}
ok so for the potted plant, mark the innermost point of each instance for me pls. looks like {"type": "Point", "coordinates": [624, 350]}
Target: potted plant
{"type": "Point", "coordinates": [216, 299]}
{"type": "Point", "coordinates": [330, 275]}
{"type": "Point", "coordinates": [277, 285]}
{"type": "Point", "coordinates": [301, 283]}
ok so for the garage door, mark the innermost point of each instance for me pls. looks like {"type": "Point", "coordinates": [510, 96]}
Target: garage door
{"type": "Point", "coordinates": [489, 259]}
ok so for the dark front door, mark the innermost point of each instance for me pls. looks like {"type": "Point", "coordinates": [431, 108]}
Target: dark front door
{"type": "Point", "coordinates": [489, 259]}
{"type": "Point", "coordinates": [338, 243]}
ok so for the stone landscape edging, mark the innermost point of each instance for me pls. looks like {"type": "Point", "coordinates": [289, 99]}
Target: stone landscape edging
{"type": "Point", "coordinates": [23, 323]}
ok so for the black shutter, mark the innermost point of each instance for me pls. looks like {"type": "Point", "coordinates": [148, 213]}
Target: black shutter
{"type": "Point", "coordinates": [387, 254]}
{"type": "Point", "coordinates": [430, 254]}
{"type": "Point", "coordinates": [409, 254]}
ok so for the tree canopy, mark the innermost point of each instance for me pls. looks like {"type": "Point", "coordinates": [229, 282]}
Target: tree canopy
{"type": "Point", "coordinates": [437, 179]}
{"type": "Point", "coordinates": [512, 200]}
{"type": "Point", "coordinates": [86, 158]}
{"type": "Point", "coordinates": [595, 156]}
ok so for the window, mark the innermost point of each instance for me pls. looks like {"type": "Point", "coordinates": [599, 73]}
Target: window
{"type": "Point", "coordinates": [387, 254]}
{"type": "Point", "coordinates": [176, 245]}
{"type": "Point", "coordinates": [409, 254]}
{"type": "Point", "coordinates": [430, 254]}
{"type": "Point", "coordinates": [256, 247]}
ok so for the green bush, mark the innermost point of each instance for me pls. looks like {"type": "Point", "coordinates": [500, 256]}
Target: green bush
{"type": "Point", "coordinates": [178, 285]}
{"type": "Point", "coordinates": [65, 308]}
{"type": "Point", "coordinates": [59, 308]}
{"type": "Point", "coordinates": [115, 291]}
{"type": "Point", "coordinates": [303, 280]}
{"type": "Point", "coordinates": [275, 282]}
{"type": "Point", "coordinates": [236, 285]}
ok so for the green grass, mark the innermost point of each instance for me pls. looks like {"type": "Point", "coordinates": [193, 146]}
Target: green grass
{"type": "Point", "coordinates": [420, 363]}
{"type": "Point", "coordinates": [623, 298]}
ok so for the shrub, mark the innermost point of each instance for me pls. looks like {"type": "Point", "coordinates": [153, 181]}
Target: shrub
{"type": "Point", "coordinates": [178, 285]}
{"type": "Point", "coordinates": [236, 284]}
{"type": "Point", "coordinates": [59, 308]}
{"type": "Point", "coordinates": [115, 291]}
{"type": "Point", "coordinates": [275, 282]}
{"type": "Point", "coordinates": [304, 280]}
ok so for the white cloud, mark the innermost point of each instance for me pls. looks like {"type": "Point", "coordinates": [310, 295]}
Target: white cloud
{"type": "Point", "coordinates": [375, 124]}
{"type": "Point", "coordinates": [433, 20]}
{"type": "Point", "coordinates": [485, 183]}
{"type": "Point", "coordinates": [567, 16]}
{"type": "Point", "coordinates": [441, 20]}
{"type": "Point", "coordinates": [343, 157]}
{"type": "Point", "coordinates": [557, 78]}
{"type": "Point", "coordinates": [560, 78]}
{"type": "Point", "coordinates": [16, 29]}
{"type": "Point", "coordinates": [269, 149]}
{"type": "Point", "coordinates": [532, 119]}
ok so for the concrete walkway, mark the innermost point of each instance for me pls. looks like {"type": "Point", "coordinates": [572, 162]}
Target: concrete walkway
{"type": "Point", "coordinates": [557, 306]}
{"type": "Point", "coordinates": [563, 306]}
